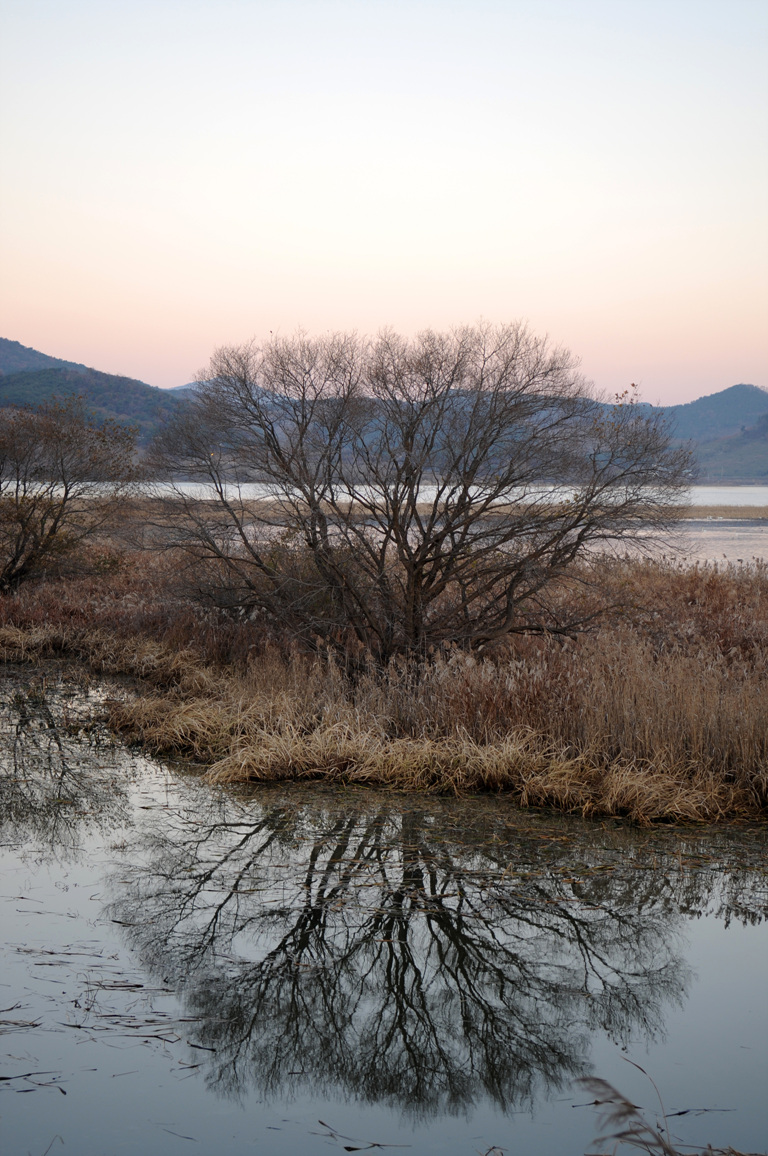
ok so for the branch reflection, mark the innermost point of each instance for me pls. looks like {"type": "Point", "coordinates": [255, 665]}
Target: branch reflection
{"type": "Point", "coordinates": [59, 775]}
{"type": "Point", "coordinates": [422, 956]}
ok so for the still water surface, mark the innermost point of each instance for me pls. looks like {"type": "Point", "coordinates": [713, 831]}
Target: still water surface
{"type": "Point", "coordinates": [721, 540]}
{"type": "Point", "coordinates": [729, 495]}
{"type": "Point", "coordinates": [705, 539]}
{"type": "Point", "coordinates": [193, 969]}
{"type": "Point", "coordinates": [724, 539]}
{"type": "Point", "coordinates": [697, 495]}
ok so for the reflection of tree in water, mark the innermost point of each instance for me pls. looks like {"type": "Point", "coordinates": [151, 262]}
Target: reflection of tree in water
{"type": "Point", "coordinates": [56, 778]}
{"type": "Point", "coordinates": [426, 956]}
{"type": "Point", "coordinates": [415, 956]}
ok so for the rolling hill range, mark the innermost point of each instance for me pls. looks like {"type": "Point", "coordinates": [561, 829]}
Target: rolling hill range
{"type": "Point", "coordinates": [719, 414]}
{"type": "Point", "coordinates": [729, 428]}
{"type": "Point", "coordinates": [18, 358]}
{"type": "Point", "coordinates": [28, 377]}
{"type": "Point", "coordinates": [740, 457]}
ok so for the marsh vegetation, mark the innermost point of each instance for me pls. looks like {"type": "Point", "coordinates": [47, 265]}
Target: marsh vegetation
{"type": "Point", "coordinates": [433, 591]}
{"type": "Point", "coordinates": [658, 712]}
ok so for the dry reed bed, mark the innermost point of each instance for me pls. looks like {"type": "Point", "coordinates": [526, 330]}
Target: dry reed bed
{"type": "Point", "coordinates": [661, 714]}
{"type": "Point", "coordinates": [728, 513]}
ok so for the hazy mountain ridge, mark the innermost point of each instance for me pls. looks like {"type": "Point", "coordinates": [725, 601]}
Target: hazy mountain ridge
{"type": "Point", "coordinates": [18, 358]}
{"type": "Point", "coordinates": [108, 395]}
{"type": "Point", "coordinates": [730, 428]}
{"type": "Point", "coordinates": [741, 457]}
{"type": "Point", "coordinates": [183, 390]}
{"type": "Point", "coordinates": [718, 414]}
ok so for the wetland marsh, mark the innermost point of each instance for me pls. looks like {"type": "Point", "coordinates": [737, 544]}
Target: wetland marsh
{"type": "Point", "coordinates": [310, 968]}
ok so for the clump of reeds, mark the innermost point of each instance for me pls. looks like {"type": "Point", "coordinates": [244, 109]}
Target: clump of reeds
{"type": "Point", "coordinates": [626, 1126]}
{"type": "Point", "coordinates": [659, 713]}
{"type": "Point", "coordinates": [534, 728]}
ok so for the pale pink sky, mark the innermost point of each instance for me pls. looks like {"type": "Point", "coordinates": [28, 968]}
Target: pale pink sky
{"type": "Point", "coordinates": [180, 174]}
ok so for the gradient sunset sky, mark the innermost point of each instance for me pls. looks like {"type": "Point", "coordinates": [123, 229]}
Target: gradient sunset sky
{"type": "Point", "coordinates": [181, 174]}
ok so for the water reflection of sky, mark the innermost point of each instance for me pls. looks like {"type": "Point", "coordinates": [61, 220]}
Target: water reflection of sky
{"type": "Point", "coordinates": [724, 540]}
{"type": "Point", "coordinates": [697, 495]}
{"type": "Point", "coordinates": [429, 972]}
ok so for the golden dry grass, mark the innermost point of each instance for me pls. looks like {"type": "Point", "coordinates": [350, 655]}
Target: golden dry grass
{"type": "Point", "coordinates": [660, 714]}
{"type": "Point", "coordinates": [300, 720]}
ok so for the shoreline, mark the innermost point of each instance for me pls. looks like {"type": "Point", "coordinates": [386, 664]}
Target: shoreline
{"type": "Point", "coordinates": [244, 730]}
{"type": "Point", "coordinates": [726, 513]}
{"type": "Point", "coordinates": [655, 711]}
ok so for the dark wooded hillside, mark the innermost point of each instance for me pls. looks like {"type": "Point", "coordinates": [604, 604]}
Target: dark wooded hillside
{"type": "Point", "coordinates": [104, 394]}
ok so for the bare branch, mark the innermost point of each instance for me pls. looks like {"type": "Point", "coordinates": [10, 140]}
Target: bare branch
{"type": "Point", "coordinates": [411, 492]}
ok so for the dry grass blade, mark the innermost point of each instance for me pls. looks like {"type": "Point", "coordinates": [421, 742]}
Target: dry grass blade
{"type": "Point", "coordinates": [625, 1126]}
{"type": "Point", "coordinates": [622, 1121]}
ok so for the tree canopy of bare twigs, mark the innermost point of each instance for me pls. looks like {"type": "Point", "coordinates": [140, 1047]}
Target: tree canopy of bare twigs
{"type": "Point", "coordinates": [410, 493]}
{"type": "Point", "coordinates": [61, 479]}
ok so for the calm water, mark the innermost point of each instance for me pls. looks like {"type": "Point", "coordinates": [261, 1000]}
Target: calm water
{"type": "Point", "coordinates": [189, 969]}
{"type": "Point", "coordinates": [724, 540]}
{"type": "Point", "coordinates": [699, 495]}
{"type": "Point", "coordinates": [719, 539]}
{"type": "Point", "coordinates": [729, 495]}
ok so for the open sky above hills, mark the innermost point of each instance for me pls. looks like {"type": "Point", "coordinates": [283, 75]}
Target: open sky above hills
{"type": "Point", "coordinates": [178, 174]}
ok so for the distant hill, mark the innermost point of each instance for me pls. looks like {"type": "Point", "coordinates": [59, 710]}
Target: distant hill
{"type": "Point", "coordinates": [107, 396]}
{"type": "Point", "coordinates": [718, 414]}
{"type": "Point", "coordinates": [28, 377]}
{"type": "Point", "coordinates": [728, 431]}
{"type": "Point", "coordinates": [183, 390]}
{"type": "Point", "coordinates": [740, 457]}
{"type": "Point", "coordinates": [18, 358]}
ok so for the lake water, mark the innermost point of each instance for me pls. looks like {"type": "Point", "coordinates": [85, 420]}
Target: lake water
{"type": "Point", "coordinates": [304, 970]}
{"type": "Point", "coordinates": [724, 540]}
{"type": "Point", "coordinates": [707, 539]}
{"type": "Point", "coordinates": [729, 495]}
{"type": "Point", "coordinates": [698, 495]}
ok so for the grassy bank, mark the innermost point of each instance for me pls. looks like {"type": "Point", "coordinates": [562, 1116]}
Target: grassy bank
{"type": "Point", "coordinates": [728, 513]}
{"type": "Point", "coordinates": [659, 713]}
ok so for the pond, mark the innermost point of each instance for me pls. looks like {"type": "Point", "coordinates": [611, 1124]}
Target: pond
{"type": "Point", "coordinates": [307, 970]}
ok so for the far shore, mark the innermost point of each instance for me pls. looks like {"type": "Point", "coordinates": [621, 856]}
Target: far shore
{"type": "Point", "coordinates": [731, 513]}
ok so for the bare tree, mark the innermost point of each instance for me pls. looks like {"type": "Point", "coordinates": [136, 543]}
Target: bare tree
{"type": "Point", "coordinates": [412, 492]}
{"type": "Point", "coordinates": [61, 478]}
